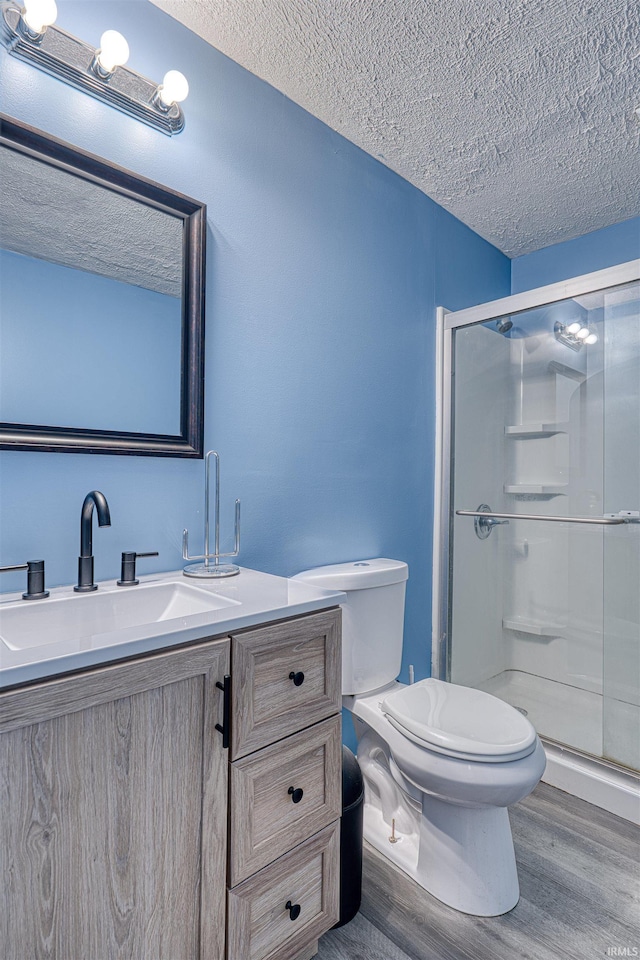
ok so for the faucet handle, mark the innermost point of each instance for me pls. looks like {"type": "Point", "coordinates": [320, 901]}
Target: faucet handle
{"type": "Point", "coordinates": [35, 578]}
{"type": "Point", "coordinates": [128, 567]}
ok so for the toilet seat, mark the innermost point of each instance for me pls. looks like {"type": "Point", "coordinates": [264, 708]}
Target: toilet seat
{"type": "Point", "coordinates": [459, 722]}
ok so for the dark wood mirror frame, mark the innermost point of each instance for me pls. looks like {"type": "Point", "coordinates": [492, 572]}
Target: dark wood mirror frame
{"type": "Point", "coordinates": [189, 442]}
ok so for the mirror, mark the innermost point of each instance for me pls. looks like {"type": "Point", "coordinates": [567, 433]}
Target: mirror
{"type": "Point", "coordinates": [101, 305]}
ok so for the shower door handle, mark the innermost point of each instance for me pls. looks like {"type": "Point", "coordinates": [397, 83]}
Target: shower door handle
{"type": "Point", "coordinates": [485, 521]}
{"type": "Point", "coordinates": [485, 514]}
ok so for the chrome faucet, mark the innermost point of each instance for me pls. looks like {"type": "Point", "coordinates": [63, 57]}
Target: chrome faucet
{"type": "Point", "coordinates": [85, 560]}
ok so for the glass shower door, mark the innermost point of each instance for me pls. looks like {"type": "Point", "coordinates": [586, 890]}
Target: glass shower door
{"type": "Point", "coordinates": [621, 655]}
{"type": "Point", "coordinates": [537, 438]}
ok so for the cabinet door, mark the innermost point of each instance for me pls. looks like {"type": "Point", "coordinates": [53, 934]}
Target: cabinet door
{"type": "Point", "coordinates": [288, 904]}
{"type": "Point", "coordinates": [112, 783]}
{"type": "Point", "coordinates": [282, 794]}
{"type": "Point", "coordinates": [286, 676]}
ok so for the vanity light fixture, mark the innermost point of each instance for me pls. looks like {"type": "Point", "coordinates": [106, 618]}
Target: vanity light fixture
{"type": "Point", "coordinates": [575, 334]}
{"type": "Point", "coordinates": [37, 16]}
{"type": "Point", "coordinates": [113, 52]}
{"type": "Point", "coordinates": [173, 89]}
{"type": "Point", "coordinates": [28, 32]}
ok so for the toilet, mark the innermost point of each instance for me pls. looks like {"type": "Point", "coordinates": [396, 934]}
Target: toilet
{"type": "Point", "coordinates": [441, 763]}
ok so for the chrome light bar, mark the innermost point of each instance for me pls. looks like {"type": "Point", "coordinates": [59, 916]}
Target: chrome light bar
{"type": "Point", "coordinates": [67, 58]}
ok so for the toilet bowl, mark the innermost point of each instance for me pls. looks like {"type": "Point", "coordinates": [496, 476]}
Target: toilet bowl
{"type": "Point", "coordinates": [454, 839]}
{"type": "Point", "coordinates": [441, 763]}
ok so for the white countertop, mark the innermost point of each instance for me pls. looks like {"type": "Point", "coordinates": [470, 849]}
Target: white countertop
{"type": "Point", "coordinates": [255, 597]}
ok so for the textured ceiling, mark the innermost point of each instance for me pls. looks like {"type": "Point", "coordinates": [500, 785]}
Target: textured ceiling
{"type": "Point", "coordinates": [517, 116]}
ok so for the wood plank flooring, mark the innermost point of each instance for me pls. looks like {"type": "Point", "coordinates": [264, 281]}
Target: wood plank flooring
{"type": "Point", "coordinates": [359, 940]}
{"type": "Point", "coordinates": [579, 870]}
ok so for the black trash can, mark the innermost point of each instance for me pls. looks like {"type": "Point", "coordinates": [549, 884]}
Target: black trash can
{"type": "Point", "coordinates": [351, 838]}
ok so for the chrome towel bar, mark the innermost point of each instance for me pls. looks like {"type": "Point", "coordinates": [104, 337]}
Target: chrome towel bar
{"type": "Point", "coordinates": [602, 521]}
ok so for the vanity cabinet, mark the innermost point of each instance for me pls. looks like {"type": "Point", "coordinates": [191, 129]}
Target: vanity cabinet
{"type": "Point", "coordinates": [285, 788]}
{"type": "Point", "coordinates": [116, 794]}
{"type": "Point", "coordinates": [113, 825]}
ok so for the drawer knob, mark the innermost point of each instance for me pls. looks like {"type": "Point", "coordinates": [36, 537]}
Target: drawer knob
{"type": "Point", "coordinates": [294, 910]}
{"type": "Point", "coordinates": [298, 678]}
{"type": "Point", "coordinates": [296, 794]}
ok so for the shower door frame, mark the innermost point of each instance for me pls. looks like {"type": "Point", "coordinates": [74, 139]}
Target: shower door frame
{"type": "Point", "coordinates": [447, 322]}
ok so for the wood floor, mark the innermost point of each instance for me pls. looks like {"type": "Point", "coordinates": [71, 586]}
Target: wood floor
{"type": "Point", "coordinates": [579, 870]}
{"type": "Point", "coordinates": [359, 940]}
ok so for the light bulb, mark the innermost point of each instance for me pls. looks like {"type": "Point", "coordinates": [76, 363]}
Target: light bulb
{"type": "Point", "coordinates": [39, 14]}
{"type": "Point", "coordinates": [174, 88]}
{"type": "Point", "coordinates": [582, 333]}
{"type": "Point", "coordinates": [113, 52]}
{"type": "Point", "coordinates": [592, 338]}
{"type": "Point", "coordinates": [573, 327]}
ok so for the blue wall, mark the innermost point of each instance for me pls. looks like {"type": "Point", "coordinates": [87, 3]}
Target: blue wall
{"type": "Point", "coordinates": [324, 269]}
{"type": "Point", "coordinates": [594, 251]}
{"type": "Point", "coordinates": [69, 314]}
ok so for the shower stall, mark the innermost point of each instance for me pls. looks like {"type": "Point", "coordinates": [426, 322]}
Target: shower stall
{"type": "Point", "coordinates": [537, 543]}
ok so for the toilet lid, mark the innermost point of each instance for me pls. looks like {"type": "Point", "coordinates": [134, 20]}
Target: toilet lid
{"type": "Point", "coordinates": [459, 720]}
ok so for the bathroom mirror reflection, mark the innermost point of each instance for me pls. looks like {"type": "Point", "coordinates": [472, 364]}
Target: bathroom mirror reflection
{"type": "Point", "coordinates": [101, 316]}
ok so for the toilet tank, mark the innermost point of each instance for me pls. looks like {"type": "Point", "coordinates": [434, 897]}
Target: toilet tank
{"type": "Point", "coordinates": [372, 618]}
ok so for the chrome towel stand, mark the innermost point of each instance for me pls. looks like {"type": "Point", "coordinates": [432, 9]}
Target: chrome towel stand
{"type": "Point", "coordinates": [212, 566]}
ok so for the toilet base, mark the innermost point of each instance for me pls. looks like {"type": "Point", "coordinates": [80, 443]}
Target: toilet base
{"type": "Point", "coordinates": [448, 818]}
{"type": "Point", "coordinates": [463, 856]}
{"type": "Point", "coordinates": [467, 858]}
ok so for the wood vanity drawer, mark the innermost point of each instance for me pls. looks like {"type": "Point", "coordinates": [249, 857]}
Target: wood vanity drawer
{"type": "Point", "coordinates": [262, 927]}
{"type": "Point", "coordinates": [286, 676]}
{"type": "Point", "coordinates": [283, 794]}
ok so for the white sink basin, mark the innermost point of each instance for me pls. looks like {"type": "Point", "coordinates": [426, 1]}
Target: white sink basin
{"type": "Point", "coordinates": [74, 617]}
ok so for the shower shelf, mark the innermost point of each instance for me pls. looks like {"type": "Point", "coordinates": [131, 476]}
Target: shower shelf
{"type": "Point", "coordinates": [535, 628]}
{"type": "Point", "coordinates": [536, 489]}
{"type": "Point", "coordinates": [533, 431]}
{"type": "Point", "coordinates": [566, 371]}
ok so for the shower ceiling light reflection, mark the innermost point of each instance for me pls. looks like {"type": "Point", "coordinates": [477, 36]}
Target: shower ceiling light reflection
{"type": "Point", "coordinates": [575, 334]}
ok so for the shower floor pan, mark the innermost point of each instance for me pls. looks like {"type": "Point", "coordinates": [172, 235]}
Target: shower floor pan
{"type": "Point", "coordinates": [572, 716]}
